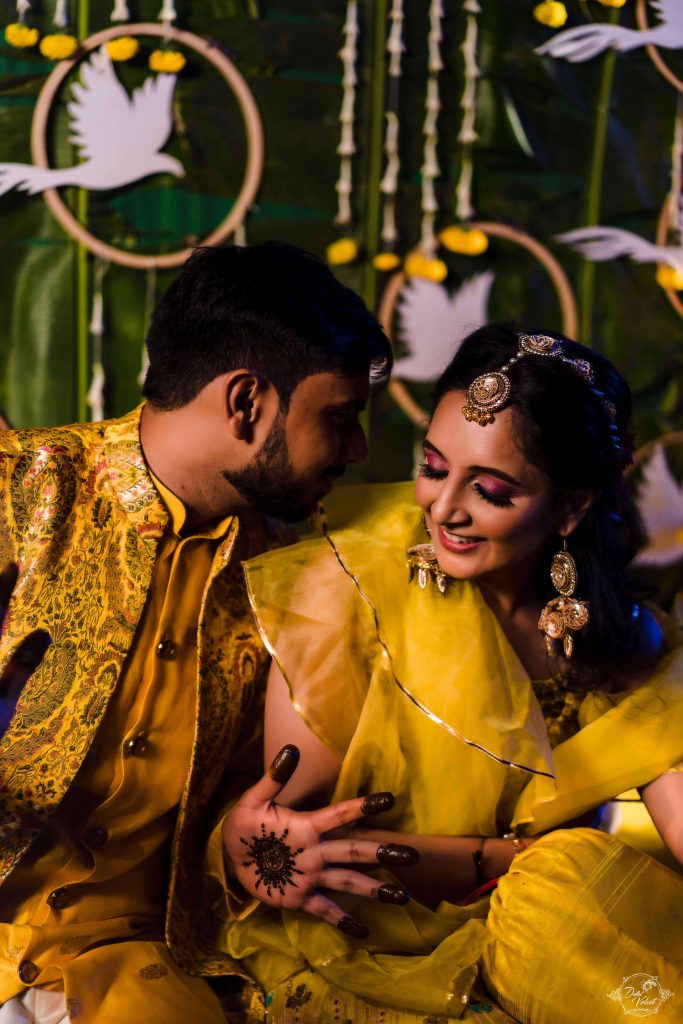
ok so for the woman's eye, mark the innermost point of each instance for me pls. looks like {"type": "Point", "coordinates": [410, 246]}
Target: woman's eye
{"type": "Point", "coordinates": [500, 500]}
{"type": "Point", "coordinates": [432, 472]}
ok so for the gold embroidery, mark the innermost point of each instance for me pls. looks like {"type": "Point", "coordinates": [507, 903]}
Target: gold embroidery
{"type": "Point", "coordinates": [74, 944]}
{"type": "Point", "coordinates": [153, 971]}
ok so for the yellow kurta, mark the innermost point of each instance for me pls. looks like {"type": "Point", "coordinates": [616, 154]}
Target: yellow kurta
{"type": "Point", "coordinates": [422, 695]}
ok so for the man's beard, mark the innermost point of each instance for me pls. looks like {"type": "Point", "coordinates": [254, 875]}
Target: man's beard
{"type": "Point", "coordinates": [269, 483]}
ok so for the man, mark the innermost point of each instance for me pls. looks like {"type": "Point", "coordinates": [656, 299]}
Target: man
{"type": "Point", "coordinates": [140, 725]}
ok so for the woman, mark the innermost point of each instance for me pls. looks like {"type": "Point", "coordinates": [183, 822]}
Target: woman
{"type": "Point", "coordinates": [495, 704]}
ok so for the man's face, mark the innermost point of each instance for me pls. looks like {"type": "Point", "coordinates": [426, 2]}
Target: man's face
{"type": "Point", "coordinates": [307, 448]}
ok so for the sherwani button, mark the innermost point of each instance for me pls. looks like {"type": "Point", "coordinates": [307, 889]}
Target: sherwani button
{"type": "Point", "coordinates": [96, 838]}
{"type": "Point", "coordinates": [166, 650]}
{"type": "Point", "coordinates": [28, 972]}
{"type": "Point", "coordinates": [59, 899]}
{"type": "Point", "coordinates": [136, 746]}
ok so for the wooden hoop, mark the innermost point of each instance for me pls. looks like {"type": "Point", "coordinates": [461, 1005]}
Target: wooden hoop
{"type": "Point", "coordinates": [652, 51]}
{"type": "Point", "coordinates": [252, 122]}
{"type": "Point", "coordinates": [661, 239]}
{"type": "Point", "coordinates": [665, 441]}
{"type": "Point", "coordinates": [387, 307]}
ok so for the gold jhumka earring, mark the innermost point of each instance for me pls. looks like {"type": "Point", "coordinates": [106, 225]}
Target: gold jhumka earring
{"type": "Point", "coordinates": [422, 561]}
{"type": "Point", "coordinates": [566, 614]}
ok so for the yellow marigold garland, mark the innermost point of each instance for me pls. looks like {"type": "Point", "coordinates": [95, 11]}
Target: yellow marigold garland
{"type": "Point", "coordinates": [167, 61]}
{"type": "Point", "coordinates": [669, 278]}
{"type": "Point", "coordinates": [468, 241]}
{"type": "Point", "coordinates": [551, 12]}
{"type": "Point", "coordinates": [429, 267]}
{"type": "Point", "coordinates": [344, 250]}
{"type": "Point", "coordinates": [122, 48]}
{"type": "Point", "coordinates": [20, 35]}
{"type": "Point", "coordinates": [612, 3]}
{"type": "Point", "coordinates": [58, 46]}
{"type": "Point", "coordinates": [386, 261]}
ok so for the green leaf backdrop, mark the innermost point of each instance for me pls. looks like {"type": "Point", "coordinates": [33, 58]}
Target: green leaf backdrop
{"type": "Point", "coordinates": [542, 124]}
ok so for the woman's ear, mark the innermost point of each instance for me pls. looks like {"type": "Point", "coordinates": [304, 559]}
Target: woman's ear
{"type": "Point", "coordinates": [572, 511]}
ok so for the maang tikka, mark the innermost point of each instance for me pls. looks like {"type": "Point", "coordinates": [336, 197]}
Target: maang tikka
{"type": "Point", "coordinates": [566, 614]}
{"type": "Point", "coordinates": [422, 561]}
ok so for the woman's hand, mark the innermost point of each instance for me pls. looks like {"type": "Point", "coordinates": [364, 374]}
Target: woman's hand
{"type": "Point", "coordinates": [282, 856]}
{"type": "Point", "coordinates": [25, 659]}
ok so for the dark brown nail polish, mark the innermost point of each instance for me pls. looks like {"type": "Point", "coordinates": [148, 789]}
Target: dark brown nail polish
{"type": "Point", "coordinates": [392, 894]}
{"type": "Point", "coordinates": [350, 926]}
{"type": "Point", "coordinates": [284, 764]}
{"type": "Point", "coordinates": [395, 853]}
{"type": "Point", "coordinates": [8, 579]}
{"type": "Point", "coordinates": [32, 650]}
{"type": "Point", "coordinates": [377, 802]}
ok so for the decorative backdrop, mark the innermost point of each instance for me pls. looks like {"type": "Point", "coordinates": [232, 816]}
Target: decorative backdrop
{"type": "Point", "coordinates": [456, 159]}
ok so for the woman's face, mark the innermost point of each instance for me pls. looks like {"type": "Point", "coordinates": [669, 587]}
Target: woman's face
{"type": "Point", "coordinates": [488, 510]}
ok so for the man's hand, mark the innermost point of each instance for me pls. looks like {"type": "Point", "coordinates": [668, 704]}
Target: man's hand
{"type": "Point", "coordinates": [25, 659]}
{"type": "Point", "coordinates": [281, 856]}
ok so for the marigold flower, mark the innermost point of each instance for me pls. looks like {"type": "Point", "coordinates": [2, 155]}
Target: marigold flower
{"type": "Point", "coordinates": [551, 12]}
{"type": "Point", "coordinates": [470, 241]}
{"type": "Point", "coordinates": [344, 250]}
{"type": "Point", "coordinates": [18, 34]}
{"type": "Point", "coordinates": [122, 48]}
{"type": "Point", "coordinates": [669, 277]}
{"type": "Point", "coordinates": [168, 62]}
{"type": "Point", "coordinates": [386, 261]}
{"type": "Point", "coordinates": [58, 46]}
{"type": "Point", "coordinates": [612, 3]}
{"type": "Point", "coordinates": [429, 267]}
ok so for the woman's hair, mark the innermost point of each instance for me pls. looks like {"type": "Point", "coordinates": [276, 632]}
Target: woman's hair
{"type": "Point", "coordinates": [579, 435]}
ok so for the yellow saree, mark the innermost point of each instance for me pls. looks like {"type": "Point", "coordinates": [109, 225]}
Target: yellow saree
{"type": "Point", "coordinates": [421, 694]}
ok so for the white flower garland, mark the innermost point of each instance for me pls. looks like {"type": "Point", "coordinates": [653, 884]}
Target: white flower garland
{"type": "Point", "coordinates": [430, 169]}
{"type": "Point", "coordinates": [464, 210]}
{"type": "Point", "coordinates": [389, 183]}
{"type": "Point", "coordinates": [347, 148]}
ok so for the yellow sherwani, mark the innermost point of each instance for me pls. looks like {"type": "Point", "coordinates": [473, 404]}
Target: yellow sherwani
{"type": "Point", "coordinates": [154, 646]}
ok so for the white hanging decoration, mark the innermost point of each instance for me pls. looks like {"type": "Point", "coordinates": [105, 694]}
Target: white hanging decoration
{"type": "Point", "coordinates": [120, 136]}
{"type": "Point", "coordinates": [587, 41]}
{"type": "Point", "coordinates": [660, 503]}
{"type": "Point", "coordinates": [432, 323]}
{"type": "Point", "coordinates": [23, 7]}
{"type": "Point", "coordinates": [150, 302]}
{"type": "Point", "coordinates": [389, 183]}
{"type": "Point", "coordinates": [347, 148]}
{"type": "Point", "coordinates": [430, 169]}
{"type": "Point", "coordinates": [95, 397]}
{"type": "Point", "coordinates": [674, 205]}
{"type": "Point", "coordinates": [120, 11]}
{"type": "Point", "coordinates": [168, 13]}
{"type": "Point", "coordinates": [61, 17]}
{"type": "Point", "coordinates": [467, 136]}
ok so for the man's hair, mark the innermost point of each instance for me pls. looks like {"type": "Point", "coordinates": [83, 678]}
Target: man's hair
{"type": "Point", "coordinates": [270, 308]}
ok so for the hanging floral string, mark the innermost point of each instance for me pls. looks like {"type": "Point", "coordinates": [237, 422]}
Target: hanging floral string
{"type": "Point", "coordinates": [667, 276]}
{"type": "Point", "coordinates": [345, 250]}
{"type": "Point", "coordinates": [463, 239]}
{"type": "Point", "coordinates": [124, 47]}
{"type": "Point", "coordinates": [95, 396]}
{"type": "Point", "coordinates": [59, 45]}
{"type": "Point", "coordinates": [19, 34]}
{"type": "Point", "coordinates": [423, 262]}
{"type": "Point", "coordinates": [387, 258]}
{"type": "Point", "coordinates": [150, 303]}
{"type": "Point", "coordinates": [166, 59]}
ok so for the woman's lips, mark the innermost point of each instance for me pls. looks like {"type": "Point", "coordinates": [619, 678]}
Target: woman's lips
{"type": "Point", "coordinates": [458, 543]}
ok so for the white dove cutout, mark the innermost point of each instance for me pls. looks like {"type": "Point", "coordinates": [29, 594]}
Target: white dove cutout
{"type": "Point", "coordinates": [433, 323]}
{"type": "Point", "coordinates": [587, 41]}
{"type": "Point", "coordinates": [598, 243]}
{"type": "Point", "coordinates": [118, 135]}
{"type": "Point", "coordinates": [660, 503]}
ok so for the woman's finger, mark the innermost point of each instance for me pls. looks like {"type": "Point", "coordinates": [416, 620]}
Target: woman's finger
{"type": "Point", "coordinates": [321, 906]}
{"type": "Point", "coordinates": [274, 780]}
{"type": "Point", "coordinates": [354, 882]}
{"type": "Point", "coordinates": [338, 815]}
{"type": "Point", "coordinates": [366, 851]}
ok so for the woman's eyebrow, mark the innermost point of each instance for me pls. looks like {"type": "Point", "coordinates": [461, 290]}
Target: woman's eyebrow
{"type": "Point", "coordinates": [495, 472]}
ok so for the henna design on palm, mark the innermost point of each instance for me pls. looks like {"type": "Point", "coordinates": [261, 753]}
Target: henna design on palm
{"type": "Point", "coordinates": [274, 859]}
